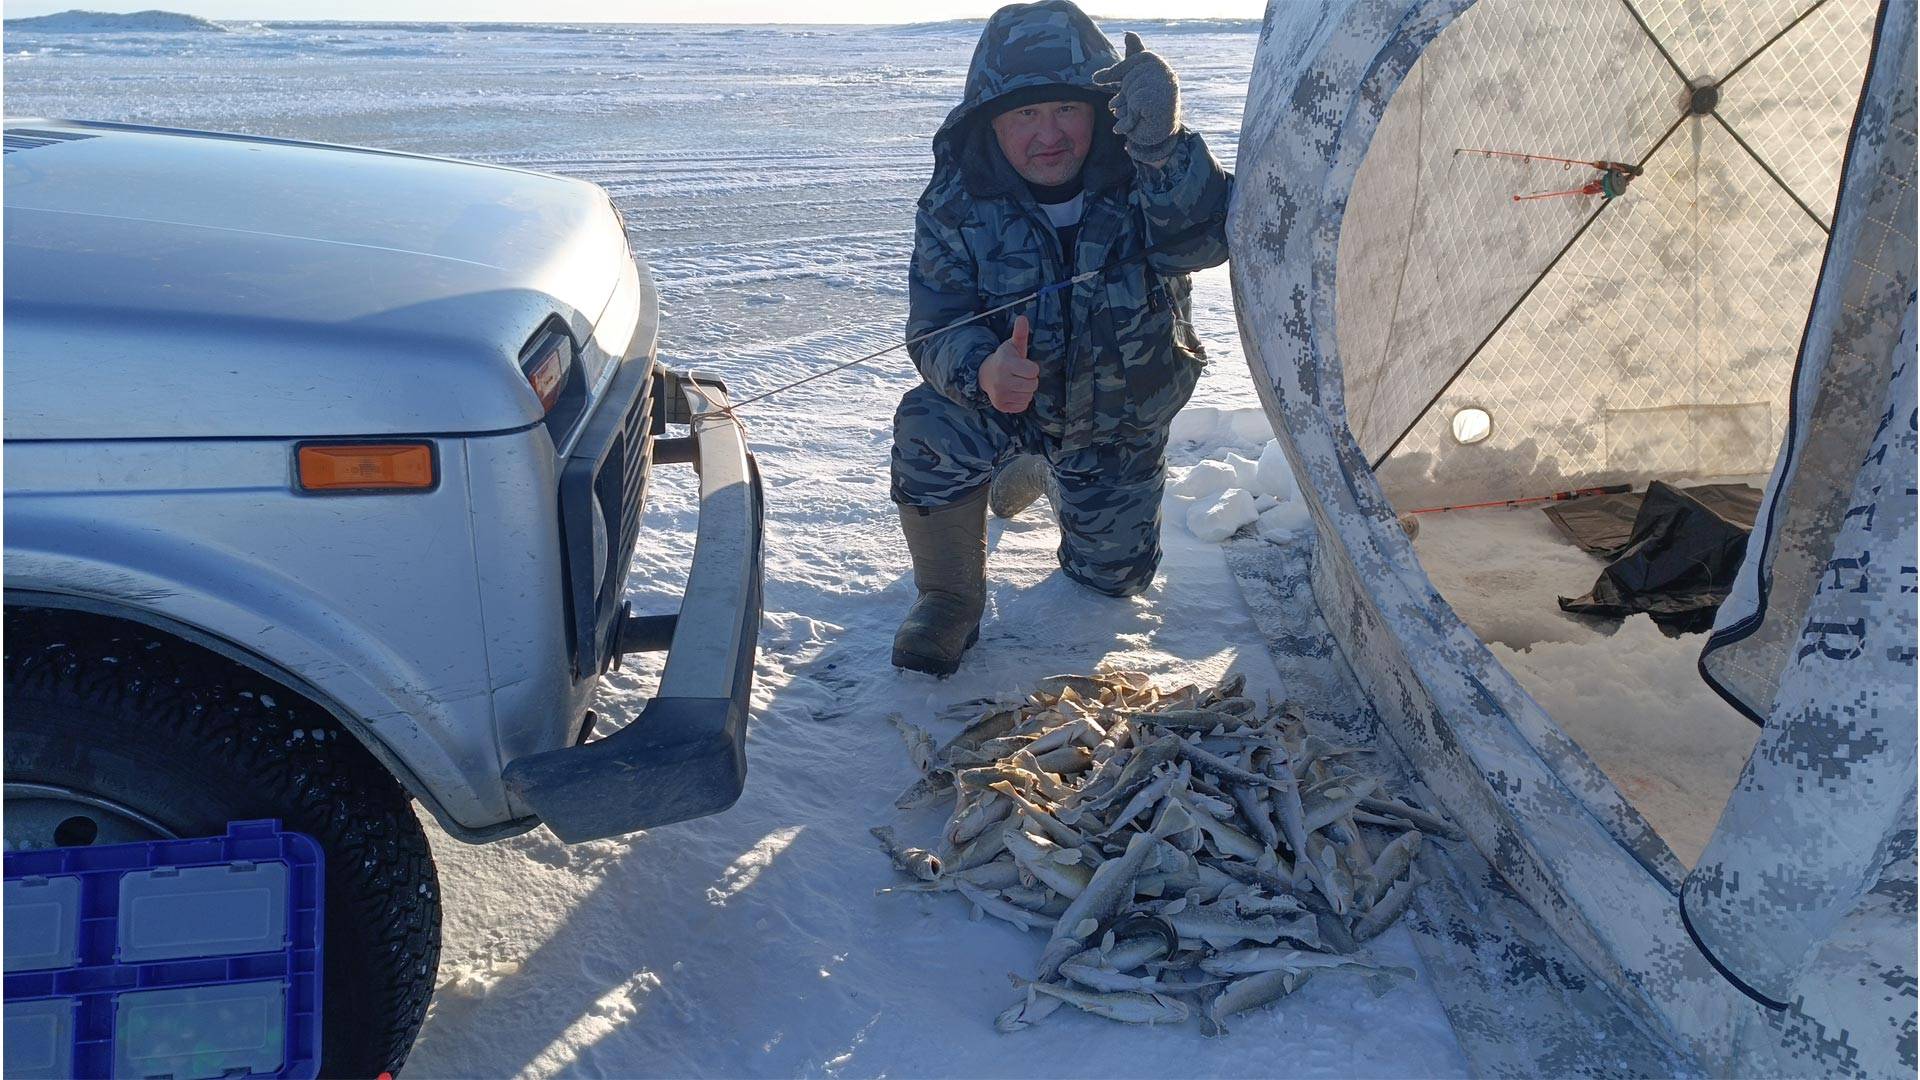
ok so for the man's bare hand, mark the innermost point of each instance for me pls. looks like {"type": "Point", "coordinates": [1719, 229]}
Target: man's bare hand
{"type": "Point", "coordinates": [1008, 377]}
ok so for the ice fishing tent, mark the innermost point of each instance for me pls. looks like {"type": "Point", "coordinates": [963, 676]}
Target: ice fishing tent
{"type": "Point", "coordinates": [1600, 339]}
{"type": "Point", "coordinates": [1385, 283]}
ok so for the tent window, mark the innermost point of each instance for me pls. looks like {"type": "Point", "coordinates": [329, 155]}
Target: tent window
{"type": "Point", "coordinates": [1472, 425]}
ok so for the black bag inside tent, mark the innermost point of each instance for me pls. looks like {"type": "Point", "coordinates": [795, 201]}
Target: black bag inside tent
{"type": "Point", "coordinates": [1678, 565]}
{"type": "Point", "coordinates": [1603, 525]}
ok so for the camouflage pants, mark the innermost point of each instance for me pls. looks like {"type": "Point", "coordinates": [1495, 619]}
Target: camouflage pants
{"type": "Point", "coordinates": [1106, 497]}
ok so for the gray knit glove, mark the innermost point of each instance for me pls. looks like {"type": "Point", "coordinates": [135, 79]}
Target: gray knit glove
{"type": "Point", "coordinates": [1146, 105]}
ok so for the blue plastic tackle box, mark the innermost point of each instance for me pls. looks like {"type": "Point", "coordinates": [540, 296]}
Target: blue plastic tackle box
{"type": "Point", "coordinates": [170, 958]}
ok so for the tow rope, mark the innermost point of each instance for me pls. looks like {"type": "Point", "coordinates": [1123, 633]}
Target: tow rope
{"type": "Point", "coordinates": [1191, 232]}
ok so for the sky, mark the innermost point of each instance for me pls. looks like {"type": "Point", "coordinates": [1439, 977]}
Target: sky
{"type": "Point", "coordinates": [705, 11]}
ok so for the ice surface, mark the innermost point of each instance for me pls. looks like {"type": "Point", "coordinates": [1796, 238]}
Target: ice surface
{"type": "Point", "coordinates": [1629, 695]}
{"type": "Point", "coordinates": [769, 175]}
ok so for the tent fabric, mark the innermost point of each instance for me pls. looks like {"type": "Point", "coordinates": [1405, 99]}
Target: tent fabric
{"type": "Point", "coordinates": [1545, 817]}
{"type": "Point", "coordinates": [1610, 341]}
{"type": "Point", "coordinates": [1821, 639]}
{"type": "Point", "coordinates": [1826, 802]}
{"type": "Point", "coordinates": [1534, 804]}
{"type": "Point", "coordinates": [1677, 566]}
{"type": "Point", "coordinates": [1841, 378]}
{"type": "Point", "coordinates": [1602, 525]}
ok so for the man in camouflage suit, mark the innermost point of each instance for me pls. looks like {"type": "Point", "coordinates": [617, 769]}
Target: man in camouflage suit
{"type": "Point", "coordinates": [1062, 158]}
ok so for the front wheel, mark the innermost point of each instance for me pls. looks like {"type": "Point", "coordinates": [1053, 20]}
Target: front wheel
{"type": "Point", "coordinates": [116, 734]}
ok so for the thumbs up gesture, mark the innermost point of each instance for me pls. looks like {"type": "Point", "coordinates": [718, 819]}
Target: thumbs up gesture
{"type": "Point", "coordinates": [1146, 102]}
{"type": "Point", "coordinates": [1008, 377]}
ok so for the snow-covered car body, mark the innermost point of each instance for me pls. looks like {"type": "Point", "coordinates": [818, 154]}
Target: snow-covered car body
{"type": "Point", "coordinates": [186, 312]}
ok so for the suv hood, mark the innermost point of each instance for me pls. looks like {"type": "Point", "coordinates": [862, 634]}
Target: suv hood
{"type": "Point", "coordinates": [181, 284]}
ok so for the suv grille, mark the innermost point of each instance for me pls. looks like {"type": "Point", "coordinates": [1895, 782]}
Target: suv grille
{"type": "Point", "coordinates": [605, 476]}
{"type": "Point", "coordinates": [622, 487]}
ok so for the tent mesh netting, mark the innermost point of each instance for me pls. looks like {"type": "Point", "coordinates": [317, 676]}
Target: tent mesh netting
{"type": "Point", "coordinates": [1648, 335]}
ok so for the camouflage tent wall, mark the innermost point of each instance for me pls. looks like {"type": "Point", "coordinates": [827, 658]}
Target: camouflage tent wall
{"type": "Point", "coordinates": [1327, 81]}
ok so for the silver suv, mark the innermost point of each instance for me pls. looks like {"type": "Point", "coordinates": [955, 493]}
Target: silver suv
{"type": "Point", "coordinates": [324, 467]}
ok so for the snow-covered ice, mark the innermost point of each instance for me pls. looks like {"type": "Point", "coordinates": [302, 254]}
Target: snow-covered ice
{"type": "Point", "coordinates": [768, 176]}
{"type": "Point", "coordinates": [1628, 694]}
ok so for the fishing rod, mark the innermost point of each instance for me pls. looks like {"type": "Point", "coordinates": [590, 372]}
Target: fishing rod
{"type": "Point", "coordinates": [1190, 233]}
{"type": "Point", "coordinates": [1612, 181]}
{"type": "Point", "coordinates": [1558, 496]}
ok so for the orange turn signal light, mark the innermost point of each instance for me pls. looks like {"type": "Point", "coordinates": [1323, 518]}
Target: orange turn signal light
{"type": "Point", "coordinates": [548, 376]}
{"type": "Point", "coordinates": [336, 467]}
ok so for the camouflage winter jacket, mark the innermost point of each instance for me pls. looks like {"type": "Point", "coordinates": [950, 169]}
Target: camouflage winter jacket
{"type": "Point", "coordinates": [981, 241]}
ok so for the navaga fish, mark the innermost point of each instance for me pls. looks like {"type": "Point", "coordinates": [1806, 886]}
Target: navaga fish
{"type": "Point", "coordinates": [1189, 852]}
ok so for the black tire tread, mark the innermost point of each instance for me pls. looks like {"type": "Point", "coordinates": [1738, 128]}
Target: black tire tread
{"type": "Point", "coordinates": [383, 893]}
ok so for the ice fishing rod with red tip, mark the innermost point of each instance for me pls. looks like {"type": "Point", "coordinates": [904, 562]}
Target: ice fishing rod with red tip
{"type": "Point", "coordinates": [1558, 496]}
{"type": "Point", "coordinates": [1611, 183]}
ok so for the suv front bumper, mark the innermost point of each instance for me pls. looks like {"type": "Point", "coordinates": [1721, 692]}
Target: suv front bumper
{"type": "Point", "coordinates": [684, 755]}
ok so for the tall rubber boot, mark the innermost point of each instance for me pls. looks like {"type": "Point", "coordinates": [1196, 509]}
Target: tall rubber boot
{"type": "Point", "coordinates": [1017, 485]}
{"type": "Point", "coordinates": [949, 548]}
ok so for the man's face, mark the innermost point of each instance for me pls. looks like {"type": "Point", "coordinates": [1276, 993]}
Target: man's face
{"type": "Point", "coordinates": [1046, 143]}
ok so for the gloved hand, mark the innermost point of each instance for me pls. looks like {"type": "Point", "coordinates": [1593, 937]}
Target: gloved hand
{"type": "Point", "coordinates": [1007, 376]}
{"type": "Point", "coordinates": [1146, 107]}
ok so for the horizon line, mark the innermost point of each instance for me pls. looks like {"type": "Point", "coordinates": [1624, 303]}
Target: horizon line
{"type": "Point", "coordinates": [607, 22]}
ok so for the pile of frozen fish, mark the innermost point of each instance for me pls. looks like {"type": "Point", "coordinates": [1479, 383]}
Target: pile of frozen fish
{"type": "Point", "coordinates": [1185, 853]}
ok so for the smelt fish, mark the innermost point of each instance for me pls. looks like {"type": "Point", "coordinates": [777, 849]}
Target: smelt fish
{"type": "Point", "coordinates": [921, 749]}
{"type": "Point", "coordinates": [1391, 907]}
{"type": "Point", "coordinates": [1037, 858]}
{"type": "Point", "coordinates": [1249, 993]}
{"type": "Point", "coordinates": [922, 864]}
{"type": "Point", "coordinates": [1124, 1007]}
{"type": "Point", "coordinates": [1419, 819]}
{"type": "Point", "coordinates": [1001, 908]}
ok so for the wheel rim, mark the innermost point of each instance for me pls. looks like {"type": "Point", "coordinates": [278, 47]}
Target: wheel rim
{"type": "Point", "coordinates": [42, 816]}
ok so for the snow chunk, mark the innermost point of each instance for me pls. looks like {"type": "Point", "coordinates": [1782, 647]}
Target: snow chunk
{"type": "Point", "coordinates": [1206, 478]}
{"type": "Point", "coordinates": [1275, 473]}
{"type": "Point", "coordinates": [1208, 424]}
{"type": "Point", "coordinates": [1250, 426]}
{"type": "Point", "coordinates": [1283, 520]}
{"type": "Point", "coordinates": [1195, 423]}
{"type": "Point", "coordinates": [1215, 520]}
{"type": "Point", "coordinates": [1245, 472]}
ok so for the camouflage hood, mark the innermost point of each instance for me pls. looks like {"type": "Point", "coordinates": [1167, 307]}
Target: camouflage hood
{"type": "Point", "coordinates": [1051, 43]}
